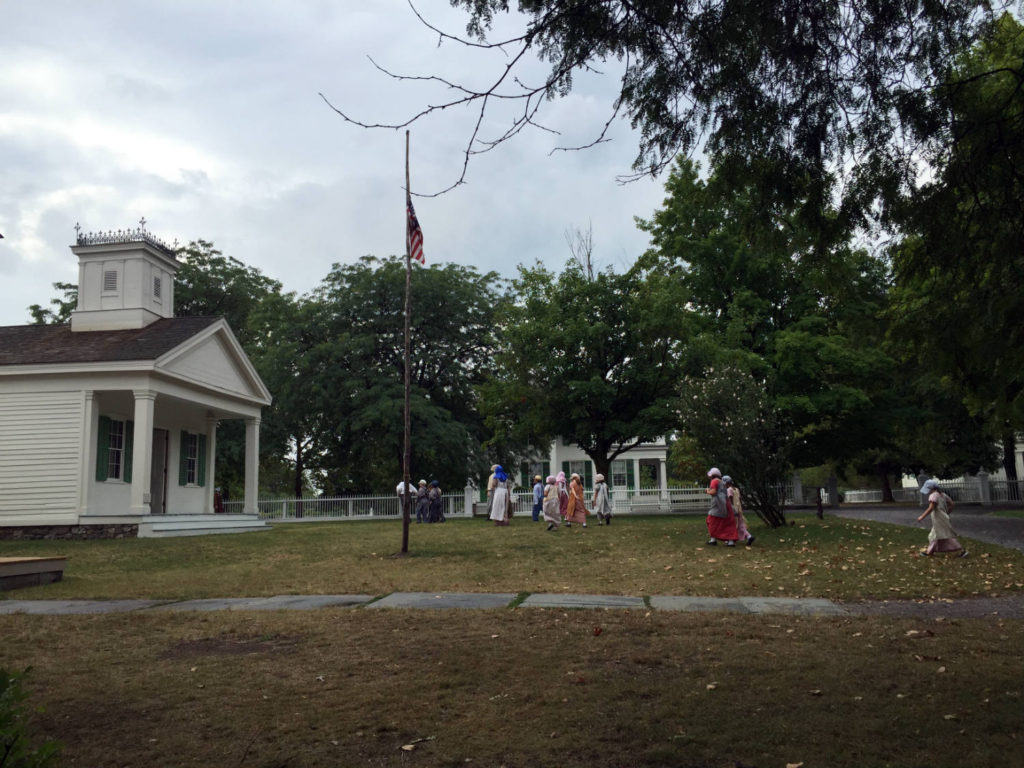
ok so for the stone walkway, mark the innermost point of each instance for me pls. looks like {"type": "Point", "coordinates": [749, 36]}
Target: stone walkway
{"type": "Point", "coordinates": [970, 522]}
{"type": "Point", "coordinates": [1009, 608]}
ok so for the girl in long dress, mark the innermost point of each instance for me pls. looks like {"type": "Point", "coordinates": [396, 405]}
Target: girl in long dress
{"type": "Point", "coordinates": [576, 510]}
{"type": "Point", "coordinates": [563, 494]}
{"type": "Point", "coordinates": [721, 520]}
{"type": "Point", "coordinates": [500, 497]}
{"type": "Point", "coordinates": [602, 501]}
{"type": "Point", "coordinates": [551, 514]}
{"type": "Point", "coordinates": [733, 493]}
{"type": "Point", "coordinates": [942, 537]}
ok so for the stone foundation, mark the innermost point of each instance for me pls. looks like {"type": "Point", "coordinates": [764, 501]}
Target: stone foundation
{"type": "Point", "coordinates": [68, 532]}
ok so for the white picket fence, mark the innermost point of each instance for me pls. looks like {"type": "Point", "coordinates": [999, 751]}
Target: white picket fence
{"type": "Point", "coordinates": [692, 500]}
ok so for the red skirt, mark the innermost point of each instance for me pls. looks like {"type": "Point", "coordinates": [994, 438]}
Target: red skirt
{"type": "Point", "coordinates": [723, 527]}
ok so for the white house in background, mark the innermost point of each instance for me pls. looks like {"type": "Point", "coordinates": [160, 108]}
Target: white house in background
{"type": "Point", "coordinates": [108, 425]}
{"type": "Point", "coordinates": [627, 472]}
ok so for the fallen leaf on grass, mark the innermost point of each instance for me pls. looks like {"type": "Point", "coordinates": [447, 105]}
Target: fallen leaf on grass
{"type": "Point", "coordinates": [712, 686]}
{"type": "Point", "coordinates": [794, 765]}
{"type": "Point", "coordinates": [949, 717]}
{"type": "Point", "coordinates": [816, 692]}
{"type": "Point", "coordinates": [597, 631]}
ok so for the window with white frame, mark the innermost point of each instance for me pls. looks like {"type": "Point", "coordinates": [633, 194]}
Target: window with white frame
{"type": "Point", "coordinates": [192, 459]}
{"type": "Point", "coordinates": [578, 468]}
{"type": "Point", "coordinates": [619, 471]}
{"type": "Point", "coordinates": [115, 450]}
{"type": "Point", "coordinates": [156, 287]}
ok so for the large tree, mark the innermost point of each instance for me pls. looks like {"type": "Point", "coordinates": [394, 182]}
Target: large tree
{"type": "Point", "coordinates": [793, 305]}
{"type": "Point", "coordinates": [959, 270]}
{"type": "Point", "coordinates": [791, 91]}
{"type": "Point", "coordinates": [591, 357]}
{"type": "Point", "coordinates": [359, 369]}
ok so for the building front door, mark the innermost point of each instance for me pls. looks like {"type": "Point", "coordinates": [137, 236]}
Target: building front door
{"type": "Point", "coordinates": [158, 481]}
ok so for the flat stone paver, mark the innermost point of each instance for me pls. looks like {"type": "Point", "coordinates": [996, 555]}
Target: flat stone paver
{"type": "Point", "coordinates": [64, 607]}
{"type": "Point", "coordinates": [276, 603]}
{"type": "Point", "coordinates": [810, 606]}
{"type": "Point", "coordinates": [555, 600]}
{"type": "Point", "coordinates": [687, 603]}
{"type": "Point", "coordinates": [478, 600]}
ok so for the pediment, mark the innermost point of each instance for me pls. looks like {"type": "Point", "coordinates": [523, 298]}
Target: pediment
{"type": "Point", "coordinates": [215, 360]}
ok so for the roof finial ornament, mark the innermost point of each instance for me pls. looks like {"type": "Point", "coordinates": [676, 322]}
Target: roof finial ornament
{"type": "Point", "coordinates": [142, 223]}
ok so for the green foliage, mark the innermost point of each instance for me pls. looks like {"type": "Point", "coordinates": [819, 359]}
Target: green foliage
{"type": "Point", "coordinates": [352, 370]}
{"type": "Point", "coordinates": [594, 359]}
{"type": "Point", "coordinates": [786, 93]}
{"type": "Point", "coordinates": [959, 270]}
{"type": "Point", "coordinates": [65, 306]}
{"type": "Point", "coordinates": [16, 750]}
{"type": "Point", "coordinates": [732, 417]}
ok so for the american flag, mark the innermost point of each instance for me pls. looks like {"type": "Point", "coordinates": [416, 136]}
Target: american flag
{"type": "Point", "coordinates": [414, 233]}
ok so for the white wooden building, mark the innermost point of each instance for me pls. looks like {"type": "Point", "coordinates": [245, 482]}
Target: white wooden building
{"type": "Point", "coordinates": [640, 467]}
{"type": "Point", "coordinates": [108, 425]}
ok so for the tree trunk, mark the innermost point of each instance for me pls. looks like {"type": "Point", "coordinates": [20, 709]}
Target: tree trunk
{"type": "Point", "coordinates": [883, 475]}
{"type": "Point", "coordinates": [769, 504]}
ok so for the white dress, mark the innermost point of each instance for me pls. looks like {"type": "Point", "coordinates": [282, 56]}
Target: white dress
{"type": "Point", "coordinates": [499, 501]}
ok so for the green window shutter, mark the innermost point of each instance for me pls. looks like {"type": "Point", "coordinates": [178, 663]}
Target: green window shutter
{"type": "Point", "coordinates": [547, 469]}
{"type": "Point", "coordinates": [129, 445]}
{"type": "Point", "coordinates": [588, 475]}
{"type": "Point", "coordinates": [102, 448]}
{"type": "Point", "coordinates": [183, 459]}
{"type": "Point", "coordinates": [202, 460]}
{"type": "Point", "coordinates": [630, 477]}
{"type": "Point", "coordinates": [524, 475]}
{"type": "Point", "coordinates": [565, 468]}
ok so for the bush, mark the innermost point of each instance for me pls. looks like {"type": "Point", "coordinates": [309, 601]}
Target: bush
{"type": "Point", "coordinates": [15, 749]}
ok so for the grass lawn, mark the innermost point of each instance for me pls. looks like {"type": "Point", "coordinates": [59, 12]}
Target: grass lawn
{"type": "Point", "coordinates": [835, 558]}
{"type": "Point", "coordinates": [526, 687]}
{"type": "Point", "coordinates": [523, 687]}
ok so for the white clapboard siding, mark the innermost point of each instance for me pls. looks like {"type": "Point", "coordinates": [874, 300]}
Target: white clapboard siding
{"type": "Point", "coordinates": [40, 453]}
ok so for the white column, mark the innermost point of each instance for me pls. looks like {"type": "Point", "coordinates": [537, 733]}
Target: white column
{"type": "Point", "coordinates": [142, 451]}
{"type": "Point", "coordinates": [90, 425]}
{"type": "Point", "coordinates": [663, 478]}
{"type": "Point", "coordinates": [211, 461]}
{"type": "Point", "coordinates": [984, 489]}
{"type": "Point", "coordinates": [252, 465]}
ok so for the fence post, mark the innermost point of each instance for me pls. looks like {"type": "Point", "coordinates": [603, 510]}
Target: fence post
{"type": "Point", "coordinates": [467, 500]}
{"type": "Point", "coordinates": [833, 491]}
{"type": "Point", "coordinates": [984, 489]}
{"type": "Point", "coordinates": [798, 489]}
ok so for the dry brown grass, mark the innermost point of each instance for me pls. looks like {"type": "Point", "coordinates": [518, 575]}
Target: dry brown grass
{"type": "Point", "coordinates": [527, 687]}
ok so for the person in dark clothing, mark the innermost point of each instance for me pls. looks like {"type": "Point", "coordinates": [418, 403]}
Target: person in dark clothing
{"type": "Point", "coordinates": [422, 503]}
{"type": "Point", "coordinates": [436, 514]}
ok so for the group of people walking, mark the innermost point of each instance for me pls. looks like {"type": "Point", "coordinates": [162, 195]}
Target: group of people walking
{"type": "Point", "coordinates": [725, 517]}
{"type": "Point", "coordinates": [427, 498]}
{"type": "Point", "coordinates": [560, 502]}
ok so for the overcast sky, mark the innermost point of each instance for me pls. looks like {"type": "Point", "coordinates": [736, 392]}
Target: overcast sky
{"type": "Point", "coordinates": [204, 117]}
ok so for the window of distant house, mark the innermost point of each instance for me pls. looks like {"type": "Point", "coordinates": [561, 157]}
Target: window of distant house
{"type": "Point", "coordinates": [115, 450]}
{"type": "Point", "coordinates": [109, 280]}
{"type": "Point", "coordinates": [619, 474]}
{"type": "Point", "coordinates": [192, 459]}
{"type": "Point", "coordinates": [156, 287]}
{"type": "Point", "coordinates": [579, 468]}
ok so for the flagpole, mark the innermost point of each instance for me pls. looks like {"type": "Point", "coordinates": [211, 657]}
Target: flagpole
{"type": "Point", "coordinates": [407, 448]}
